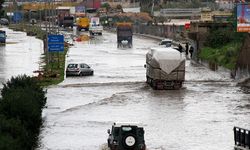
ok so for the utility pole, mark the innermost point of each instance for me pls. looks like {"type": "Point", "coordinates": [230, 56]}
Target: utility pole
{"type": "Point", "coordinates": [152, 9]}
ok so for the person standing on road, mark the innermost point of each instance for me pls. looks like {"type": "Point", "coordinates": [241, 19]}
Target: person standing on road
{"type": "Point", "coordinates": [180, 48]}
{"type": "Point", "coordinates": [186, 49]}
{"type": "Point", "coordinates": [191, 50]}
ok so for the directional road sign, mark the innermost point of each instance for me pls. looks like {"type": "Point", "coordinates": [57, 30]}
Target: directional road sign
{"type": "Point", "coordinates": [55, 47]}
{"type": "Point", "coordinates": [55, 38]}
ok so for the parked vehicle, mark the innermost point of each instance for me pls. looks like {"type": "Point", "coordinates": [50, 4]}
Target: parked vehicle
{"type": "Point", "coordinates": [81, 69]}
{"type": "Point", "coordinates": [124, 33]}
{"type": "Point", "coordinates": [83, 23]}
{"type": "Point", "coordinates": [241, 139]}
{"type": "Point", "coordinates": [2, 36]}
{"type": "Point", "coordinates": [4, 21]}
{"type": "Point", "coordinates": [126, 136]}
{"type": "Point", "coordinates": [165, 68]}
{"type": "Point", "coordinates": [95, 26]}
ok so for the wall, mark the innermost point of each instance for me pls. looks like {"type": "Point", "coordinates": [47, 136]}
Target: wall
{"type": "Point", "coordinates": [167, 31]}
{"type": "Point", "coordinates": [243, 64]}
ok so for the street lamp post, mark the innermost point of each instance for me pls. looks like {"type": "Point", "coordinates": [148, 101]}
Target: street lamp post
{"type": "Point", "coordinates": [152, 9]}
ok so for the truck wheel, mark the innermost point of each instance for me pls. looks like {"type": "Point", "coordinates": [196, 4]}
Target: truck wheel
{"type": "Point", "coordinates": [154, 85]}
{"type": "Point", "coordinates": [176, 86]}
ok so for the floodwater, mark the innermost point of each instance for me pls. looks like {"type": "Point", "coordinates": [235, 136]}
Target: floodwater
{"type": "Point", "coordinates": [200, 116]}
{"type": "Point", "coordinates": [20, 55]}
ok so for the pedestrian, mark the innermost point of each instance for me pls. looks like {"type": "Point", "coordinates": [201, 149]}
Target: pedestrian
{"type": "Point", "coordinates": [180, 48]}
{"type": "Point", "coordinates": [191, 50]}
{"type": "Point", "coordinates": [186, 49]}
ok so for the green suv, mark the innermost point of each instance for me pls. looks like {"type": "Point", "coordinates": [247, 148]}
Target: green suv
{"type": "Point", "coordinates": [126, 137]}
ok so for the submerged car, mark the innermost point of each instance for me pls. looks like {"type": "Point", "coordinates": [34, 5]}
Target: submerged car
{"type": "Point", "coordinates": [126, 136]}
{"type": "Point", "coordinates": [81, 69]}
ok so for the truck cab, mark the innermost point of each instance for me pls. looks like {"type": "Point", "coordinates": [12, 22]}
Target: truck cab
{"type": "Point", "coordinates": [124, 33]}
{"type": "Point", "coordinates": [68, 21]}
{"type": "Point", "coordinates": [95, 26]}
{"type": "Point", "coordinates": [83, 23]}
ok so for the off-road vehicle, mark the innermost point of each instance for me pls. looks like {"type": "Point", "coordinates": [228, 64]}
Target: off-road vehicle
{"type": "Point", "coordinates": [125, 136]}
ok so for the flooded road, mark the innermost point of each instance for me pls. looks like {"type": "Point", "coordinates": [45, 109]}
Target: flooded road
{"type": "Point", "coordinates": [200, 116]}
{"type": "Point", "coordinates": [20, 55]}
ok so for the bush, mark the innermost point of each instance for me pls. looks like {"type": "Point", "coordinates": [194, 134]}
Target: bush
{"type": "Point", "coordinates": [27, 83]}
{"type": "Point", "coordinates": [220, 37]}
{"type": "Point", "coordinates": [225, 56]}
{"type": "Point", "coordinates": [21, 104]}
{"type": "Point", "coordinates": [13, 135]}
{"type": "Point", "coordinates": [21, 113]}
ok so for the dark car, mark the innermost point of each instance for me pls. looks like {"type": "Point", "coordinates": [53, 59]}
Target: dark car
{"type": "Point", "coordinates": [81, 69]}
{"type": "Point", "coordinates": [126, 136]}
{"type": "Point", "coordinates": [4, 21]}
{"type": "Point", "coordinates": [2, 36]}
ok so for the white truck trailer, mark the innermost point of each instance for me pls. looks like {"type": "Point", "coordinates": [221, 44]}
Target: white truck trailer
{"type": "Point", "coordinates": [165, 68]}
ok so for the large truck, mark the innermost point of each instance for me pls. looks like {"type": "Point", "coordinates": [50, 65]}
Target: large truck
{"type": "Point", "coordinates": [65, 19]}
{"type": "Point", "coordinates": [68, 21]}
{"type": "Point", "coordinates": [95, 26]}
{"type": "Point", "coordinates": [2, 36]}
{"type": "Point", "coordinates": [83, 23]}
{"type": "Point", "coordinates": [165, 68]}
{"type": "Point", "coordinates": [124, 34]}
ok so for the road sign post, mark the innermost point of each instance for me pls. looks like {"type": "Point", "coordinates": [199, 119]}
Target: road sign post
{"type": "Point", "coordinates": [56, 44]}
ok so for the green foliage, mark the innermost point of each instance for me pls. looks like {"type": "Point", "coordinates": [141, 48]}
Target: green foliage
{"type": "Point", "coordinates": [106, 5]}
{"type": "Point", "coordinates": [222, 47]}
{"type": "Point", "coordinates": [25, 83]}
{"type": "Point", "coordinates": [119, 7]}
{"type": "Point", "coordinates": [20, 113]}
{"type": "Point", "coordinates": [13, 135]}
{"type": "Point", "coordinates": [219, 37]}
{"type": "Point", "coordinates": [225, 56]}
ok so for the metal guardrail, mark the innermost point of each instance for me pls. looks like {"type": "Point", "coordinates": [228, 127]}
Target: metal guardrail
{"type": "Point", "coordinates": [242, 137]}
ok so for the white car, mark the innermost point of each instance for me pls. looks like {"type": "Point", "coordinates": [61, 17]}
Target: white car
{"type": "Point", "coordinates": [166, 42]}
{"type": "Point", "coordinates": [81, 69]}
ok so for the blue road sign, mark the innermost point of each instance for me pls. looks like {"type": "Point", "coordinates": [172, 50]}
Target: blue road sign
{"type": "Point", "coordinates": [17, 17]}
{"type": "Point", "coordinates": [55, 38]}
{"type": "Point", "coordinates": [55, 47]}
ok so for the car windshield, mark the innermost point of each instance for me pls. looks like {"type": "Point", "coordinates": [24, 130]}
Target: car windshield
{"type": "Point", "coordinates": [72, 66]}
{"type": "Point", "coordinates": [2, 35]}
{"type": "Point", "coordinates": [165, 42]}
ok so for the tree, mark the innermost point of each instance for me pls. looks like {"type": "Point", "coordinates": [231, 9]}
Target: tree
{"type": "Point", "coordinates": [1, 8]}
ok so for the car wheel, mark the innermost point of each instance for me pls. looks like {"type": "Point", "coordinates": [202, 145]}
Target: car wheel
{"type": "Point", "coordinates": [92, 73]}
{"type": "Point", "coordinates": [81, 74]}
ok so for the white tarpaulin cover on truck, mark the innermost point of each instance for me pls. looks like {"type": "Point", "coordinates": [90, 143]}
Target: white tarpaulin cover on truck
{"type": "Point", "coordinates": [167, 58]}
